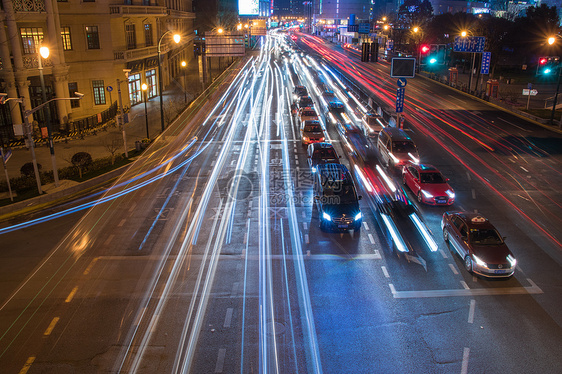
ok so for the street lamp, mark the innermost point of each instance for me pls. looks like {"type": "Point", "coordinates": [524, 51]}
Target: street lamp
{"type": "Point", "coordinates": [184, 66]}
{"type": "Point", "coordinates": [464, 34]}
{"type": "Point", "coordinates": [551, 41]}
{"type": "Point", "coordinates": [144, 88]}
{"type": "Point", "coordinates": [44, 53]}
{"type": "Point", "coordinates": [177, 38]}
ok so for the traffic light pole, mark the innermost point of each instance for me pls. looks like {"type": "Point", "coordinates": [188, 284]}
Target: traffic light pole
{"type": "Point", "coordinates": [556, 100]}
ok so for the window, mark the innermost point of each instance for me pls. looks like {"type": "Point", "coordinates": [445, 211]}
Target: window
{"type": "Point", "coordinates": [31, 37]}
{"type": "Point", "coordinates": [148, 35]}
{"type": "Point", "coordinates": [66, 42]}
{"type": "Point", "coordinates": [72, 88]}
{"type": "Point", "coordinates": [88, 1]}
{"type": "Point", "coordinates": [92, 37]}
{"type": "Point", "coordinates": [99, 93]}
{"type": "Point", "coordinates": [130, 36]}
{"type": "Point", "coordinates": [145, 2]}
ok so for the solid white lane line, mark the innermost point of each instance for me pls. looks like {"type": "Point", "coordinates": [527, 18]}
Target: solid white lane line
{"type": "Point", "coordinates": [371, 239]}
{"type": "Point", "coordinates": [471, 311]}
{"type": "Point", "coordinates": [453, 269]}
{"type": "Point", "coordinates": [228, 317]}
{"type": "Point", "coordinates": [392, 289]}
{"type": "Point", "coordinates": [465, 354]}
{"type": "Point", "coordinates": [385, 272]}
{"type": "Point", "coordinates": [71, 295]}
{"type": "Point", "coordinates": [220, 360]}
{"type": "Point", "coordinates": [51, 326]}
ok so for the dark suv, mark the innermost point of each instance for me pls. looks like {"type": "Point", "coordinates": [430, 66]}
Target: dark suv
{"type": "Point", "coordinates": [336, 199]}
{"type": "Point", "coordinates": [321, 153]}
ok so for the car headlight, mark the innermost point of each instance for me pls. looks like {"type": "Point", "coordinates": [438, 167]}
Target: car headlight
{"type": "Point", "coordinates": [326, 216]}
{"type": "Point", "coordinates": [358, 216]}
{"type": "Point", "coordinates": [450, 193]}
{"type": "Point", "coordinates": [478, 261]}
{"type": "Point", "coordinates": [314, 169]}
{"type": "Point", "coordinates": [305, 138]}
{"type": "Point", "coordinates": [427, 194]}
{"type": "Point", "coordinates": [511, 260]}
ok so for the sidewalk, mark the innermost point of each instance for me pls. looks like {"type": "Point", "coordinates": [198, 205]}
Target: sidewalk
{"type": "Point", "coordinates": [98, 143]}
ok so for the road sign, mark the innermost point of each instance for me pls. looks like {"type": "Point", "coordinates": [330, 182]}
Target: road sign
{"type": "Point", "coordinates": [402, 82]}
{"type": "Point", "coordinates": [486, 57]}
{"type": "Point", "coordinates": [527, 92]}
{"type": "Point", "coordinates": [403, 67]}
{"type": "Point", "coordinates": [109, 88]}
{"type": "Point", "coordinates": [469, 44]}
{"type": "Point", "coordinates": [6, 154]}
{"type": "Point", "coordinates": [400, 99]}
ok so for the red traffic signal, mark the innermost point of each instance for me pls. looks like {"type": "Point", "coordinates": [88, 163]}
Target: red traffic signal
{"type": "Point", "coordinates": [543, 60]}
{"type": "Point", "coordinates": [424, 48]}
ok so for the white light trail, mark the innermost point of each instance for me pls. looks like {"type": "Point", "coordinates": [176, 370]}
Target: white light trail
{"type": "Point", "coordinates": [422, 228]}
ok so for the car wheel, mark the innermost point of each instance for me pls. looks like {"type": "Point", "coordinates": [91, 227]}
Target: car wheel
{"type": "Point", "coordinates": [468, 264]}
{"type": "Point", "coordinates": [420, 199]}
{"type": "Point", "coordinates": [446, 237]}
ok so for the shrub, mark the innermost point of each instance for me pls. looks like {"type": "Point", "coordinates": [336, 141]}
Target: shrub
{"type": "Point", "coordinates": [27, 169]}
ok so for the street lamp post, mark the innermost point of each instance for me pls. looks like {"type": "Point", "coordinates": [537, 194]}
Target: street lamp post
{"type": "Point", "coordinates": [44, 53]}
{"type": "Point", "coordinates": [144, 88]}
{"type": "Point", "coordinates": [177, 40]}
{"type": "Point", "coordinates": [184, 66]}
{"type": "Point", "coordinates": [551, 41]}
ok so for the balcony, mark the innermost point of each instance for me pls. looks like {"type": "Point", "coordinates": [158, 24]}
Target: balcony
{"type": "Point", "coordinates": [137, 10]}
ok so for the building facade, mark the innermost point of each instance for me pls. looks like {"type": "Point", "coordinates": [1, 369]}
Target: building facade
{"type": "Point", "coordinates": [96, 47]}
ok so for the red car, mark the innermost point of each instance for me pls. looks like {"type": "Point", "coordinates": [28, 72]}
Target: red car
{"type": "Point", "coordinates": [478, 243]}
{"type": "Point", "coordinates": [428, 184]}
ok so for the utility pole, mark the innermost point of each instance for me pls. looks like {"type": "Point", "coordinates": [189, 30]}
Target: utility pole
{"type": "Point", "coordinates": [122, 117]}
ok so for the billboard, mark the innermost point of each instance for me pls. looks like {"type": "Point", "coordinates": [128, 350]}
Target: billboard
{"type": "Point", "coordinates": [248, 7]}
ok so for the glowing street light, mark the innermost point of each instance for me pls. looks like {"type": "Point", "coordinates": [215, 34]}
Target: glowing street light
{"type": "Point", "coordinates": [176, 38]}
{"type": "Point", "coordinates": [184, 66]}
{"type": "Point", "coordinates": [551, 40]}
{"type": "Point", "coordinates": [144, 88]}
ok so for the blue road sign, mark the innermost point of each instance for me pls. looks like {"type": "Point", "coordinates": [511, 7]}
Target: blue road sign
{"type": "Point", "coordinates": [6, 154]}
{"type": "Point", "coordinates": [109, 88]}
{"type": "Point", "coordinates": [486, 57]}
{"type": "Point", "coordinates": [469, 44]}
{"type": "Point", "coordinates": [400, 99]}
{"type": "Point", "coordinates": [402, 82]}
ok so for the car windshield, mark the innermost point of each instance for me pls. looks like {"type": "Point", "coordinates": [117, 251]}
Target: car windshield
{"type": "Point", "coordinates": [312, 128]}
{"type": "Point", "coordinates": [305, 101]}
{"type": "Point", "coordinates": [485, 237]}
{"type": "Point", "coordinates": [325, 153]}
{"type": "Point", "coordinates": [403, 147]}
{"type": "Point", "coordinates": [309, 113]}
{"type": "Point", "coordinates": [432, 178]}
{"type": "Point", "coordinates": [339, 192]}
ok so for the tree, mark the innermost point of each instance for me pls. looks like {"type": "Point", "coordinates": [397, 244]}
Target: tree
{"type": "Point", "coordinates": [414, 13]}
{"type": "Point", "coordinates": [81, 160]}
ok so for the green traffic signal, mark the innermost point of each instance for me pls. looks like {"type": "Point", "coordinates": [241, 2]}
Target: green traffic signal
{"type": "Point", "coordinates": [432, 60]}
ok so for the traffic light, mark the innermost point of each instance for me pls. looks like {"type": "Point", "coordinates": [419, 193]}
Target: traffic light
{"type": "Point", "coordinates": [548, 65]}
{"type": "Point", "coordinates": [424, 48]}
{"type": "Point", "coordinates": [432, 58]}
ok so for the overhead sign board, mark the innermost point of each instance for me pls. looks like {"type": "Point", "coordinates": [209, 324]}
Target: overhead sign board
{"type": "Point", "coordinates": [248, 7]}
{"type": "Point", "coordinates": [364, 28]}
{"type": "Point", "coordinates": [403, 67]}
{"type": "Point", "coordinates": [221, 45]}
{"type": "Point", "coordinates": [469, 44]}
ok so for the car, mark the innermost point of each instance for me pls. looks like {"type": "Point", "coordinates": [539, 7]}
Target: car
{"type": "Point", "coordinates": [372, 125]}
{"type": "Point", "coordinates": [311, 132]}
{"type": "Point", "coordinates": [428, 184]}
{"type": "Point", "coordinates": [331, 102]}
{"type": "Point", "coordinates": [299, 91]}
{"type": "Point", "coordinates": [478, 243]}
{"type": "Point", "coordinates": [396, 148]}
{"type": "Point", "coordinates": [321, 153]}
{"type": "Point", "coordinates": [346, 127]}
{"type": "Point", "coordinates": [307, 114]}
{"type": "Point", "coordinates": [336, 199]}
{"type": "Point", "coordinates": [304, 101]}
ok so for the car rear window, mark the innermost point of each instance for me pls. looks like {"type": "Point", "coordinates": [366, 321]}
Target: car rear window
{"type": "Point", "coordinates": [309, 113]}
{"type": "Point", "coordinates": [312, 128]}
{"type": "Point", "coordinates": [325, 153]}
